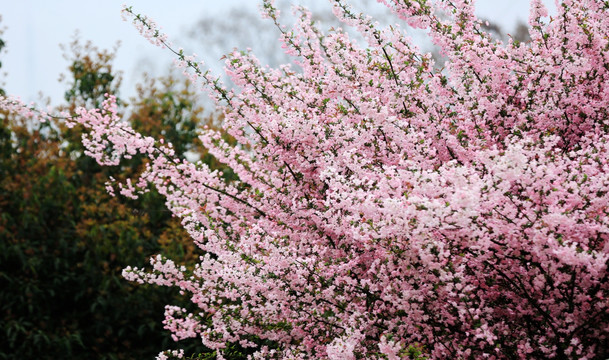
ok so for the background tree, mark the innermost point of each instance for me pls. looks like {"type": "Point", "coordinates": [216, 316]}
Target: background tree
{"type": "Point", "coordinates": [65, 240]}
{"type": "Point", "coordinates": [221, 35]}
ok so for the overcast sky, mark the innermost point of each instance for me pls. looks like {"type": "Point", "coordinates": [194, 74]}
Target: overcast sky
{"type": "Point", "coordinates": [34, 29]}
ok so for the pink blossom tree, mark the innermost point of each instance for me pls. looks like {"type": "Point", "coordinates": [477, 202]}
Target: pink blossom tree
{"type": "Point", "coordinates": [388, 210]}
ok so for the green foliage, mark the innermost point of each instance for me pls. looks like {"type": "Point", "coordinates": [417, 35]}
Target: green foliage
{"type": "Point", "coordinates": [64, 241]}
{"type": "Point", "coordinates": [91, 74]}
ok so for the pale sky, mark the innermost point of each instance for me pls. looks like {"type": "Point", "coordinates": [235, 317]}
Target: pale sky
{"type": "Point", "coordinates": [34, 29]}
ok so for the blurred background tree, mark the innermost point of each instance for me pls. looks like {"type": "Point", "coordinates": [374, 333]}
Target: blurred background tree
{"type": "Point", "coordinates": [64, 241]}
{"type": "Point", "coordinates": [220, 35]}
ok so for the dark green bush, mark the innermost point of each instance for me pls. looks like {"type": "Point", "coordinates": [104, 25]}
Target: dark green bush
{"type": "Point", "coordinates": [64, 241]}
